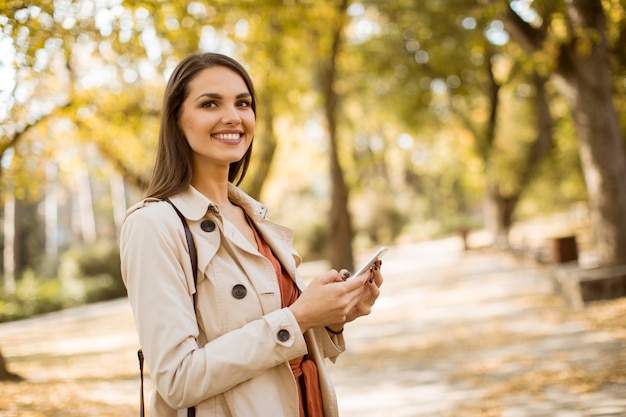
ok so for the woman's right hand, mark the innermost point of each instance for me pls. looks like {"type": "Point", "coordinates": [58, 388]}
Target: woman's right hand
{"type": "Point", "coordinates": [328, 299]}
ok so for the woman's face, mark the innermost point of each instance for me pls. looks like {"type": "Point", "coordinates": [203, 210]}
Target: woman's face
{"type": "Point", "coordinates": [217, 118]}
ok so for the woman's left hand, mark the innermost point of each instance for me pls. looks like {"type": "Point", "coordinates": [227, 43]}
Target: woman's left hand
{"type": "Point", "coordinates": [369, 293]}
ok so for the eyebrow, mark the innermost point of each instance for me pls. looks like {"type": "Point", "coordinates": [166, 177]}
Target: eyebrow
{"type": "Point", "coordinates": [219, 96]}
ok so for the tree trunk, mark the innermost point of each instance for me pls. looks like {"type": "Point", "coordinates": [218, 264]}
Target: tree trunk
{"type": "Point", "coordinates": [266, 142]}
{"type": "Point", "coordinates": [501, 216]}
{"type": "Point", "coordinates": [5, 374]}
{"type": "Point", "coordinates": [264, 150]}
{"type": "Point", "coordinates": [118, 195]}
{"type": "Point", "coordinates": [503, 205]}
{"type": "Point", "coordinates": [51, 213]}
{"type": "Point", "coordinates": [85, 206]}
{"type": "Point", "coordinates": [339, 238]}
{"type": "Point", "coordinates": [584, 79]}
{"type": "Point", "coordinates": [9, 242]}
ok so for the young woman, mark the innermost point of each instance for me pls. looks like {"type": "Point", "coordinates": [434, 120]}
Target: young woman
{"type": "Point", "coordinates": [248, 338]}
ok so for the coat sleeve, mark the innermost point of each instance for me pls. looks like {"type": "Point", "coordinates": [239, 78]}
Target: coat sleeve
{"type": "Point", "coordinates": [330, 346]}
{"type": "Point", "coordinates": [156, 271]}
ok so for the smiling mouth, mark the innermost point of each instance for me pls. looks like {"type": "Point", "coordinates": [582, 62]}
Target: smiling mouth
{"type": "Point", "coordinates": [227, 136]}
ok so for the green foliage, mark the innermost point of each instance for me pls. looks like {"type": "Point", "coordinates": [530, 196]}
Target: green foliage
{"type": "Point", "coordinates": [407, 68]}
{"type": "Point", "coordinates": [86, 275]}
{"type": "Point", "coordinates": [98, 266]}
{"type": "Point", "coordinates": [311, 241]}
{"type": "Point", "coordinates": [34, 296]}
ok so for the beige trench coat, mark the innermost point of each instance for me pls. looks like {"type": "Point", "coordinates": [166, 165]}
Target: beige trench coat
{"type": "Point", "coordinates": [229, 357]}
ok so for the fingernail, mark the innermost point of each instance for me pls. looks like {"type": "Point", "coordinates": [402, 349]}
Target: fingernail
{"type": "Point", "coordinates": [375, 268]}
{"type": "Point", "coordinates": [371, 281]}
{"type": "Point", "coordinates": [346, 274]}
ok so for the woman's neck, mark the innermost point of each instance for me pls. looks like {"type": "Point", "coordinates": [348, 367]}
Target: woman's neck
{"type": "Point", "coordinates": [211, 180]}
{"type": "Point", "coordinates": [214, 190]}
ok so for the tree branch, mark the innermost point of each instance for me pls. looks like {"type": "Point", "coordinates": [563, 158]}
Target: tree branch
{"type": "Point", "coordinates": [543, 141]}
{"type": "Point", "coordinates": [523, 33]}
{"type": "Point", "coordinates": [16, 136]}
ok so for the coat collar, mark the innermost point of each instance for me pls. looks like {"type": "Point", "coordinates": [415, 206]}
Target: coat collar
{"type": "Point", "coordinates": [194, 205]}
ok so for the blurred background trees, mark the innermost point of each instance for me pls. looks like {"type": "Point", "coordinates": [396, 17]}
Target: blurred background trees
{"type": "Point", "coordinates": [380, 122]}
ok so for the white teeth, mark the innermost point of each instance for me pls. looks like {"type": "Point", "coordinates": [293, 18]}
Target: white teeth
{"type": "Point", "coordinates": [228, 136]}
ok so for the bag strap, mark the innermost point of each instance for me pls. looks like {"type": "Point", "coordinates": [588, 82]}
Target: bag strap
{"type": "Point", "coordinates": [193, 256]}
{"type": "Point", "coordinates": [193, 253]}
{"type": "Point", "coordinates": [142, 412]}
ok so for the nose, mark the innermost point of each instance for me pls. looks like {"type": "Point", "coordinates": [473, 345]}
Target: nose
{"type": "Point", "coordinates": [231, 116]}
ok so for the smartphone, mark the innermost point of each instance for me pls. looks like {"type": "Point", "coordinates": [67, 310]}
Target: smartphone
{"type": "Point", "coordinates": [375, 257]}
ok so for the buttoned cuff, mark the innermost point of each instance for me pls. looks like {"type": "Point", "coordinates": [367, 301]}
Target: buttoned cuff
{"type": "Point", "coordinates": [285, 329]}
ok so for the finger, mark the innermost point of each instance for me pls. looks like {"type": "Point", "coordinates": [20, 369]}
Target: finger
{"type": "Point", "coordinates": [344, 274]}
{"type": "Point", "coordinates": [377, 276]}
{"type": "Point", "coordinates": [374, 290]}
{"type": "Point", "coordinates": [355, 283]}
{"type": "Point", "coordinates": [327, 277]}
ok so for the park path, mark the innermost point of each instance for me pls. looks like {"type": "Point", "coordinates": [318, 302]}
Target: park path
{"type": "Point", "coordinates": [454, 334]}
{"type": "Point", "coordinates": [480, 333]}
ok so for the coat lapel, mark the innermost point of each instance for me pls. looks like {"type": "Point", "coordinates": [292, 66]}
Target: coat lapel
{"type": "Point", "coordinates": [278, 237]}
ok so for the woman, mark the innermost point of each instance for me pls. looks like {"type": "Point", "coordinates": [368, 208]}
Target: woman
{"type": "Point", "coordinates": [255, 342]}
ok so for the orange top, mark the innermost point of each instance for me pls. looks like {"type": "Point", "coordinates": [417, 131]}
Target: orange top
{"type": "Point", "coordinates": [304, 370]}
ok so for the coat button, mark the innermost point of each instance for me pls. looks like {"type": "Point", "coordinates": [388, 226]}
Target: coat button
{"type": "Point", "coordinates": [207, 225]}
{"type": "Point", "coordinates": [283, 335]}
{"type": "Point", "coordinates": [239, 291]}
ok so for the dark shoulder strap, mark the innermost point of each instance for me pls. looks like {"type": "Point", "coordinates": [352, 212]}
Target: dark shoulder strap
{"type": "Point", "coordinates": [193, 255]}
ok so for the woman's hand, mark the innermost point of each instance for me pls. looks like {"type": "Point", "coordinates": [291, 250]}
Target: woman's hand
{"type": "Point", "coordinates": [368, 296]}
{"type": "Point", "coordinates": [332, 300]}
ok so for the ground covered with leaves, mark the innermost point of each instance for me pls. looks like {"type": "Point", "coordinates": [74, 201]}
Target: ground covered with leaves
{"type": "Point", "coordinates": [79, 362]}
{"type": "Point", "coordinates": [519, 345]}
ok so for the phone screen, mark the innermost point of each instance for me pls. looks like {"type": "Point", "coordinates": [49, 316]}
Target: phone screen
{"type": "Point", "coordinates": [375, 257]}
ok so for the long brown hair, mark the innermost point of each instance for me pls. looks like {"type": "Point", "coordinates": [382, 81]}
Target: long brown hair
{"type": "Point", "coordinates": [173, 168]}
